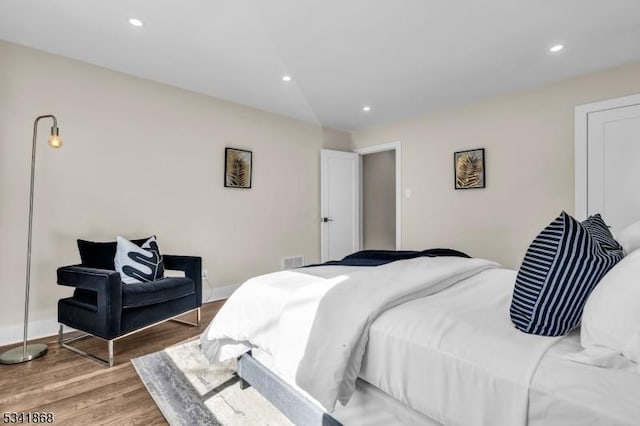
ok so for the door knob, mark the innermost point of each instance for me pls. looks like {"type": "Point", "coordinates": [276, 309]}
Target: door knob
{"type": "Point", "coordinates": [325, 219]}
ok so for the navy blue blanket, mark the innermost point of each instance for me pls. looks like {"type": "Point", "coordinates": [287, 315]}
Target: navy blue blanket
{"type": "Point", "coordinates": [381, 257]}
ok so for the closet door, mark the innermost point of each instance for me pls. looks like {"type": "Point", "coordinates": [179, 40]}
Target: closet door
{"type": "Point", "coordinates": [613, 165]}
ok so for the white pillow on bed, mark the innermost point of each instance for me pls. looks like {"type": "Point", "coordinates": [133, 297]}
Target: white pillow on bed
{"type": "Point", "coordinates": [611, 318]}
{"type": "Point", "coordinates": [629, 238]}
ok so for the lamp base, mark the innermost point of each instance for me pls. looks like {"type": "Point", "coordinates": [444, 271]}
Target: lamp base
{"type": "Point", "coordinates": [17, 355]}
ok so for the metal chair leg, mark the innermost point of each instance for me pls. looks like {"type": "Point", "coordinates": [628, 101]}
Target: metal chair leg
{"type": "Point", "coordinates": [65, 343]}
{"type": "Point", "coordinates": [195, 324]}
{"type": "Point", "coordinates": [110, 343]}
{"type": "Point", "coordinates": [109, 362]}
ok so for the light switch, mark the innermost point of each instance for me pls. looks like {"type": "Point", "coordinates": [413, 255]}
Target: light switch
{"type": "Point", "coordinates": [407, 193]}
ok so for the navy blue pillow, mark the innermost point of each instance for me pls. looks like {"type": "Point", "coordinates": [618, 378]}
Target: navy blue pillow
{"type": "Point", "coordinates": [97, 254]}
{"type": "Point", "coordinates": [562, 266]}
{"type": "Point", "coordinates": [600, 231]}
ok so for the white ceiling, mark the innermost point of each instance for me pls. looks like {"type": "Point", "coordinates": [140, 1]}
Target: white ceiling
{"type": "Point", "coordinates": [402, 57]}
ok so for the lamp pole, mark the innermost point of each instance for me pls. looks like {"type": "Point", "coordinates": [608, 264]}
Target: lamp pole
{"type": "Point", "coordinates": [36, 350]}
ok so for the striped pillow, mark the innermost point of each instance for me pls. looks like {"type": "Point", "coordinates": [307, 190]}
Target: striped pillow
{"type": "Point", "coordinates": [562, 266]}
{"type": "Point", "coordinates": [600, 231]}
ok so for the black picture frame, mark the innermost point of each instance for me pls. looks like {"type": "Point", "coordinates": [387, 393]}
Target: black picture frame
{"type": "Point", "coordinates": [469, 169]}
{"type": "Point", "coordinates": [238, 168]}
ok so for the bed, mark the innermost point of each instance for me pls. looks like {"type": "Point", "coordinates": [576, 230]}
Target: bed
{"type": "Point", "coordinates": [430, 342]}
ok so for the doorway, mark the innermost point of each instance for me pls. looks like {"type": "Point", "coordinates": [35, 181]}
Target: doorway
{"type": "Point", "coordinates": [380, 197]}
{"type": "Point", "coordinates": [342, 203]}
{"type": "Point", "coordinates": [379, 200]}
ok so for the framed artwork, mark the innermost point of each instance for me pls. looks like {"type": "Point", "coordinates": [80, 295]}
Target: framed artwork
{"type": "Point", "coordinates": [237, 168]}
{"type": "Point", "coordinates": [469, 169]}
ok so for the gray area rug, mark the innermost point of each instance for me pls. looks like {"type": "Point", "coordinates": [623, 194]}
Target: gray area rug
{"type": "Point", "coordinates": [188, 391]}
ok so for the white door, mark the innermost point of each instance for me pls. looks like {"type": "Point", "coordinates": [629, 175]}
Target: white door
{"type": "Point", "coordinates": [613, 165]}
{"type": "Point", "coordinates": [339, 204]}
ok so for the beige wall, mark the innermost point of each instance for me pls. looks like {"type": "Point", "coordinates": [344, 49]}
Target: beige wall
{"type": "Point", "coordinates": [379, 200]}
{"type": "Point", "coordinates": [143, 158]}
{"type": "Point", "coordinates": [529, 166]}
{"type": "Point", "coordinates": [336, 139]}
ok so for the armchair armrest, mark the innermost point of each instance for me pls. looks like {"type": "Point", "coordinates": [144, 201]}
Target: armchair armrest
{"type": "Point", "coordinates": [105, 283]}
{"type": "Point", "coordinates": [192, 267]}
{"type": "Point", "coordinates": [86, 278]}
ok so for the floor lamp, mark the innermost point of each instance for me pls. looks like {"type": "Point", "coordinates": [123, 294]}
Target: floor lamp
{"type": "Point", "coordinates": [33, 351]}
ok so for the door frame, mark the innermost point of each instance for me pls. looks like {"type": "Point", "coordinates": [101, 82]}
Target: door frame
{"type": "Point", "coordinates": [581, 143]}
{"type": "Point", "coordinates": [391, 146]}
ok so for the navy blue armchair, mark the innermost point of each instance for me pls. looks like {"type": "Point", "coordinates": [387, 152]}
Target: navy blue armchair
{"type": "Point", "coordinates": [102, 306]}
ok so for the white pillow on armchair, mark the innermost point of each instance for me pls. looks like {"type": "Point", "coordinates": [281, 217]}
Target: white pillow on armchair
{"type": "Point", "coordinates": [138, 264]}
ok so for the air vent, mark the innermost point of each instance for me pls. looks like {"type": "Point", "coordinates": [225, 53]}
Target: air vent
{"type": "Point", "coordinates": [292, 262]}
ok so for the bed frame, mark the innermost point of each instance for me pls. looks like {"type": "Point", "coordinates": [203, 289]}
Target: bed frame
{"type": "Point", "coordinates": [283, 396]}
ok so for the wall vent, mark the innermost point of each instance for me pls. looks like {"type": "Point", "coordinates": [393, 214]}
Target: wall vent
{"type": "Point", "coordinates": [292, 262]}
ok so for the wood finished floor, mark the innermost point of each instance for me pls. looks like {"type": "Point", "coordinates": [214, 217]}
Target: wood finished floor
{"type": "Point", "coordinates": [79, 391]}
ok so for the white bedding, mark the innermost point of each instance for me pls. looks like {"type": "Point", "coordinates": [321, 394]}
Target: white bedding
{"type": "Point", "coordinates": [562, 392]}
{"type": "Point", "coordinates": [403, 353]}
{"type": "Point", "coordinates": [566, 393]}
{"type": "Point", "coordinates": [368, 406]}
{"type": "Point", "coordinates": [455, 356]}
{"type": "Point", "coordinates": [316, 328]}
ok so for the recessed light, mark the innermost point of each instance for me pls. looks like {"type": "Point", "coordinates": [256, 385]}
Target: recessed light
{"type": "Point", "coordinates": [286, 78]}
{"type": "Point", "coordinates": [556, 48]}
{"type": "Point", "coordinates": [135, 22]}
{"type": "Point", "coordinates": [366, 108]}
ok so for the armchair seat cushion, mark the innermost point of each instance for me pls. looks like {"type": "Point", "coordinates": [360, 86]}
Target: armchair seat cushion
{"type": "Point", "coordinates": [159, 291]}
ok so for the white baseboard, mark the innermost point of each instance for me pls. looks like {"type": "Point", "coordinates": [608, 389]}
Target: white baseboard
{"type": "Point", "coordinates": [49, 327]}
{"type": "Point", "coordinates": [37, 329]}
{"type": "Point", "coordinates": [220, 293]}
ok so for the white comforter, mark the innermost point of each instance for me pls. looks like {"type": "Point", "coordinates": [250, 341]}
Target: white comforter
{"type": "Point", "coordinates": [314, 321]}
{"type": "Point", "coordinates": [455, 356]}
